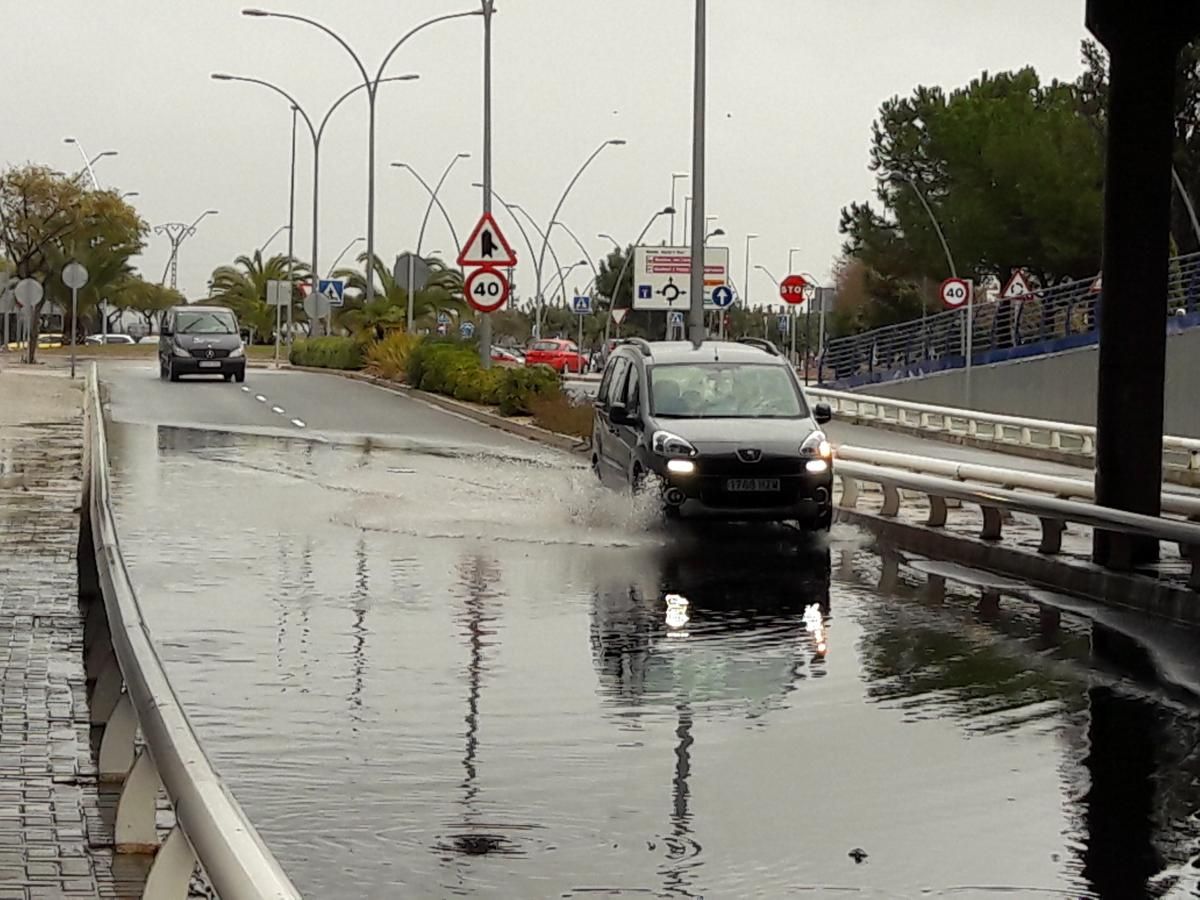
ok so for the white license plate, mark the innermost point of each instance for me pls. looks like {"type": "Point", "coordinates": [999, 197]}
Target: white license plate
{"type": "Point", "coordinates": [209, 364]}
{"type": "Point", "coordinates": [752, 485]}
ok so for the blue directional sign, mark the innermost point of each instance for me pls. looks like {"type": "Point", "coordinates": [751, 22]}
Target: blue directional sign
{"type": "Point", "coordinates": [467, 329]}
{"type": "Point", "coordinates": [676, 318]}
{"type": "Point", "coordinates": [333, 289]}
{"type": "Point", "coordinates": [582, 305]}
{"type": "Point", "coordinates": [785, 323]}
{"type": "Point", "coordinates": [722, 296]}
{"type": "Point", "coordinates": [443, 318]}
{"type": "Point", "coordinates": [645, 292]}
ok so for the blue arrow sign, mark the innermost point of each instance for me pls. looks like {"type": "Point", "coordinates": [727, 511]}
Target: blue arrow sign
{"type": "Point", "coordinates": [582, 305]}
{"type": "Point", "coordinates": [333, 289]}
{"type": "Point", "coordinates": [443, 318]}
{"type": "Point", "coordinates": [722, 296]}
{"type": "Point", "coordinates": [467, 329]}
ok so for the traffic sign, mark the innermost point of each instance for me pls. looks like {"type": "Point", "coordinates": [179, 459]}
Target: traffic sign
{"type": "Point", "coordinates": [793, 289]}
{"type": "Point", "coordinates": [486, 289]}
{"type": "Point", "coordinates": [467, 329]}
{"type": "Point", "coordinates": [722, 296]}
{"type": "Point", "coordinates": [487, 246]}
{"type": "Point", "coordinates": [420, 272]}
{"type": "Point", "coordinates": [333, 290]}
{"type": "Point", "coordinates": [74, 275]}
{"type": "Point", "coordinates": [28, 292]}
{"type": "Point", "coordinates": [1017, 288]}
{"type": "Point", "coordinates": [279, 293]}
{"type": "Point", "coordinates": [582, 305]}
{"type": "Point", "coordinates": [956, 292]}
{"type": "Point", "coordinates": [619, 315]}
{"type": "Point", "coordinates": [443, 318]}
{"type": "Point", "coordinates": [316, 305]}
{"type": "Point", "coordinates": [662, 276]}
{"type": "Point", "coordinates": [675, 318]}
{"type": "Point", "coordinates": [785, 323]}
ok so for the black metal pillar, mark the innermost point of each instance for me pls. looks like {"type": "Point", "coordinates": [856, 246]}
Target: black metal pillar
{"type": "Point", "coordinates": [1143, 41]}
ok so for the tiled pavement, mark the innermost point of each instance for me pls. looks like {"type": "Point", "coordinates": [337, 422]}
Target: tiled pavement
{"type": "Point", "coordinates": [55, 821]}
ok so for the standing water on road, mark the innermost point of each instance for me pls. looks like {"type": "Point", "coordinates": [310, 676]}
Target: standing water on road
{"type": "Point", "coordinates": [437, 669]}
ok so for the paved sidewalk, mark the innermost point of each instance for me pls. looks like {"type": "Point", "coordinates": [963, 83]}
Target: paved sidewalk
{"type": "Point", "coordinates": [55, 825]}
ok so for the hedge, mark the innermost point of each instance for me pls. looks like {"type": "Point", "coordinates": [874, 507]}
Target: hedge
{"type": "Point", "coordinates": [327, 353]}
{"type": "Point", "coordinates": [452, 368]}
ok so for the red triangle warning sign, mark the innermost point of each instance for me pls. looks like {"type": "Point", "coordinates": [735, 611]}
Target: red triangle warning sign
{"type": "Point", "coordinates": [487, 246]}
{"type": "Point", "coordinates": [1017, 287]}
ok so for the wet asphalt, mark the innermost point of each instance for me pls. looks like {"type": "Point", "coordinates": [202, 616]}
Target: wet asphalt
{"type": "Point", "coordinates": [435, 660]}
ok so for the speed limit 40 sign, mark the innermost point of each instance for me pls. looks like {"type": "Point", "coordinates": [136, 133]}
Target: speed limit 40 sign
{"type": "Point", "coordinates": [956, 292]}
{"type": "Point", "coordinates": [486, 289]}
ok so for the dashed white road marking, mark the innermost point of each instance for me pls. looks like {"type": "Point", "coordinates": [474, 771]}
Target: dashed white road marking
{"type": "Point", "coordinates": [278, 410]}
{"type": "Point", "coordinates": [299, 423]}
{"type": "Point", "coordinates": [246, 389]}
{"type": "Point", "coordinates": [260, 398]}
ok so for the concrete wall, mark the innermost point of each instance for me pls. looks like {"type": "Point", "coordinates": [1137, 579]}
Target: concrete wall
{"type": "Point", "coordinates": [1061, 387]}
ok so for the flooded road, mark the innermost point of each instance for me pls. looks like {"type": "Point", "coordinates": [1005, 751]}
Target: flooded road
{"type": "Point", "coordinates": [442, 662]}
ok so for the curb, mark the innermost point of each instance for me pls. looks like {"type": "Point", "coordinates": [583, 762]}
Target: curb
{"type": "Point", "coordinates": [500, 423]}
{"type": "Point", "coordinates": [1120, 590]}
{"type": "Point", "coordinates": [1178, 476]}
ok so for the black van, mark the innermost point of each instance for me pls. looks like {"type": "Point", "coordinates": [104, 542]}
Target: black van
{"type": "Point", "coordinates": [201, 340]}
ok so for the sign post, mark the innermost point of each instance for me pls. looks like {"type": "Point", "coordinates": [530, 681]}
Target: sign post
{"type": "Point", "coordinates": [74, 276]}
{"type": "Point", "coordinates": [957, 293]}
{"type": "Point", "coordinates": [583, 307]}
{"type": "Point", "coordinates": [794, 290]}
{"type": "Point", "coordinates": [722, 298]}
{"type": "Point", "coordinates": [618, 316]}
{"type": "Point", "coordinates": [7, 305]}
{"type": "Point", "coordinates": [279, 295]}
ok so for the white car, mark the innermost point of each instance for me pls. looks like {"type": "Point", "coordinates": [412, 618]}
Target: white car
{"type": "Point", "coordinates": [109, 339]}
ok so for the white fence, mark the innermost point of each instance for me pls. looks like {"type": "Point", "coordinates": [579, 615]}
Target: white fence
{"type": "Point", "coordinates": [133, 696]}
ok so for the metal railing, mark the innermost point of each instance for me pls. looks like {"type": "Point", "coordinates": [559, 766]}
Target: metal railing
{"type": "Point", "coordinates": [1054, 513]}
{"type": "Point", "coordinates": [130, 693]}
{"type": "Point", "coordinates": [992, 428]}
{"type": "Point", "coordinates": [1056, 317]}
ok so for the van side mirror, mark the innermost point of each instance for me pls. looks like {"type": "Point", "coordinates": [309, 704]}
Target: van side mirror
{"type": "Point", "coordinates": [167, 331]}
{"type": "Point", "coordinates": [822, 413]}
{"type": "Point", "coordinates": [619, 414]}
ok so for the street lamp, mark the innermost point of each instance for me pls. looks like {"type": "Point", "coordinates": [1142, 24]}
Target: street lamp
{"type": "Point", "coordinates": [177, 233]}
{"type": "Point", "coordinates": [665, 211]}
{"type": "Point", "coordinates": [274, 234]}
{"type": "Point", "coordinates": [317, 132]}
{"type": "Point", "coordinates": [345, 250]}
{"type": "Point", "coordinates": [613, 142]}
{"type": "Point", "coordinates": [746, 272]}
{"type": "Point", "coordinates": [712, 234]}
{"type": "Point", "coordinates": [129, 194]}
{"type": "Point", "coordinates": [433, 198]}
{"type": "Point", "coordinates": [610, 238]}
{"type": "Point", "coordinates": [792, 265]}
{"type": "Point", "coordinates": [582, 249]}
{"type": "Point", "coordinates": [372, 88]}
{"type": "Point", "coordinates": [89, 163]}
{"type": "Point", "coordinates": [768, 274]}
{"type": "Point", "coordinates": [562, 275]}
{"type": "Point", "coordinates": [675, 176]}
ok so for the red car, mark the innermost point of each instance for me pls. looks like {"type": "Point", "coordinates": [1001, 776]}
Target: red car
{"type": "Point", "coordinates": [561, 356]}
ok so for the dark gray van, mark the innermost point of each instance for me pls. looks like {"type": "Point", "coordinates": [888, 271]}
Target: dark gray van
{"type": "Point", "coordinates": [201, 340]}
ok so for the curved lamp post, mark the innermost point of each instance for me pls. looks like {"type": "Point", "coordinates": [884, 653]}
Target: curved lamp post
{"type": "Point", "coordinates": [610, 239]}
{"type": "Point", "coordinates": [614, 142]}
{"type": "Point", "coordinates": [129, 194]}
{"type": "Point", "coordinates": [177, 233]}
{"type": "Point", "coordinates": [665, 211]}
{"type": "Point", "coordinates": [434, 199]}
{"type": "Point", "coordinates": [582, 249]}
{"type": "Point", "coordinates": [372, 87]}
{"type": "Point", "coordinates": [718, 232]}
{"type": "Point", "coordinates": [345, 250]}
{"type": "Point", "coordinates": [274, 234]}
{"type": "Point", "coordinates": [89, 163]}
{"type": "Point", "coordinates": [316, 132]}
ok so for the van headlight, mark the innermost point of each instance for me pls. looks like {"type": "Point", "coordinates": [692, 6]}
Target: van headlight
{"type": "Point", "coordinates": [664, 443]}
{"type": "Point", "coordinates": [180, 351]}
{"type": "Point", "coordinates": [817, 446]}
{"type": "Point", "coordinates": [239, 350]}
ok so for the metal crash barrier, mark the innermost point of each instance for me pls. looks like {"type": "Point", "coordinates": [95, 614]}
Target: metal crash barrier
{"type": "Point", "coordinates": [130, 695]}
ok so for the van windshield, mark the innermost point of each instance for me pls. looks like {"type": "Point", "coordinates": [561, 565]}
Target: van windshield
{"type": "Point", "coordinates": [725, 391]}
{"type": "Point", "coordinates": [206, 321]}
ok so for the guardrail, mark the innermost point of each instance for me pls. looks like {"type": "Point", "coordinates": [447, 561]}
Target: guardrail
{"type": "Point", "coordinates": [130, 693]}
{"type": "Point", "coordinates": [1001, 430]}
{"type": "Point", "coordinates": [1054, 513]}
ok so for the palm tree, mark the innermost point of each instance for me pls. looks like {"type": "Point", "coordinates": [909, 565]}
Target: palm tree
{"type": "Point", "coordinates": [243, 288]}
{"type": "Point", "coordinates": [389, 309]}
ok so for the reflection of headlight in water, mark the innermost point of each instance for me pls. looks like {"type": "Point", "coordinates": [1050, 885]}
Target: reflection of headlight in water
{"type": "Point", "coordinates": [677, 611]}
{"type": "Point", "coordinates": [815, 625]}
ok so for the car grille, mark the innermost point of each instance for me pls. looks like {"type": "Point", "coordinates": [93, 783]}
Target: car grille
{"type": "Point", "coordinates": [768, 467]}
{"type": "Point", "coordinates": [209, 353]}
{"type": "Point", "coordinates": [715, 470]}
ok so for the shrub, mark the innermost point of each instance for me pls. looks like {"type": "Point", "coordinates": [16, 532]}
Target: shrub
{"type": "Point", "coordinates": [388, 357]}
{"type": "Point", "coordinates": [556, 412]}
{"type": "Point", "coordinates": [484, 387]}
{"type": "Point", "coordinates": [521, 385]}
{"type": "Point", "coordinates": [425, 350]}
{"type": "Point", "coordinates": [328, 353]}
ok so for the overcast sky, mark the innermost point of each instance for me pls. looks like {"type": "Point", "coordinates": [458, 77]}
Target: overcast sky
{"type": "Point", "coordinates": [793, 88]}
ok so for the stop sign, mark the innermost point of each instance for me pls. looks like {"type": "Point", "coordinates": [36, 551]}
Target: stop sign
{"type": "Point", "coordinates": [792, 289]}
